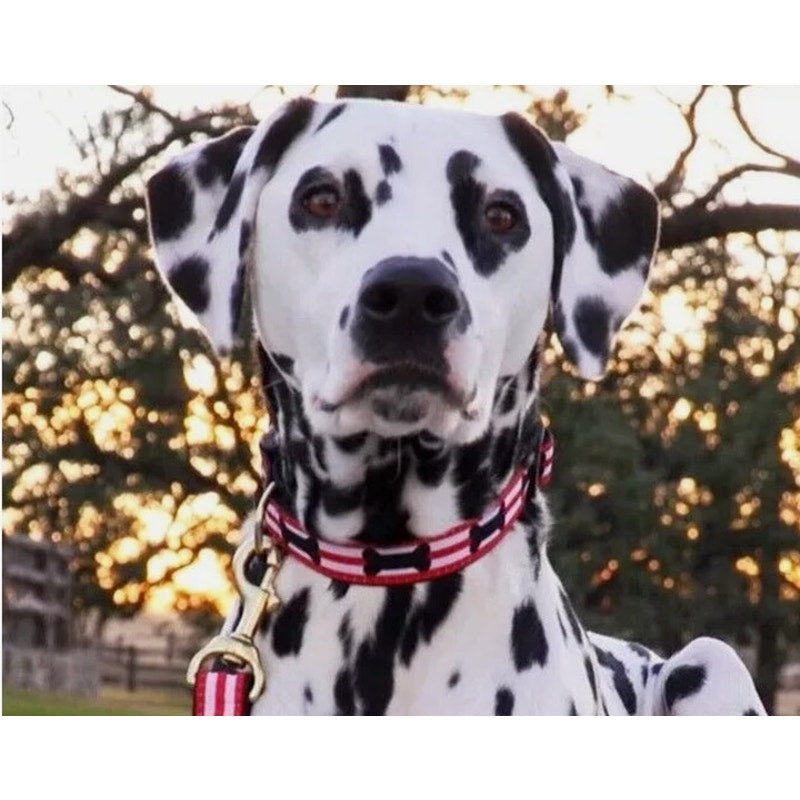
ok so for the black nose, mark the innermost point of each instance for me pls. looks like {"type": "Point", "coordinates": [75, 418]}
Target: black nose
{"type": "Point", "coordinates": [407, 308]}
{"type": "Point", "coordinates": [412, 291]}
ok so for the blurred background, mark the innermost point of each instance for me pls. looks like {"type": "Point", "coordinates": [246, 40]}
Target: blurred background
{"type": "Point", "coordinates": [130, 450]}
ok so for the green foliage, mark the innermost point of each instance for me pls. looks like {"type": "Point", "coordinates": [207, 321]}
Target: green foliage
{"type": "Point", "coordinates": [673, 496]}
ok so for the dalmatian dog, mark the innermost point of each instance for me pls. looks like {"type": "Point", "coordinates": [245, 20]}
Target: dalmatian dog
{"type": "Point", "coordinates": [402, 264]}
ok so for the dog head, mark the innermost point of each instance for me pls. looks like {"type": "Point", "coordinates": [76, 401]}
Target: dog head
{"type": "Point", "coordinates": [402, 259]}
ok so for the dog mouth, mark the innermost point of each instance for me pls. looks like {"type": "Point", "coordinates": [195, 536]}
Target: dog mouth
{"type": "Point", "coordinates": [402, 392]}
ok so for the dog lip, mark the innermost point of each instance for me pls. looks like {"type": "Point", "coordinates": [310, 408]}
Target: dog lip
{"type": "Point", "coordinates": [412, 376]}
{"type": "Point", "coordinates": [408, 375]}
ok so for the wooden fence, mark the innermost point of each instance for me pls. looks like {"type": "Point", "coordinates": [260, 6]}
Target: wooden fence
{"type": "Point", "coordinates": [130, 667]}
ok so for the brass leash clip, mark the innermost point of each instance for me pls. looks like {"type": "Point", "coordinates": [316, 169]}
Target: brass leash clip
{"type": "Point", "coordinates": [257, 601]}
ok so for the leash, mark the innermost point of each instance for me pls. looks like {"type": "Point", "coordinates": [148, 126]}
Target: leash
{"type": "Point", "coordinates": [237, 678]}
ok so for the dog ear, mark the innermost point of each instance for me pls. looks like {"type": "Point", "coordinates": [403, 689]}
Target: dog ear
{"type": "Point", "coordinates": [201, 208]}
{"type": "Point", "coordinates": [605, 228]}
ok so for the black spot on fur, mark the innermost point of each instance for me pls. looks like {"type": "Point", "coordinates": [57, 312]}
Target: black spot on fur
{"type": "Point", "coordinates": [308, 695]}
{"type": "Point", "coordinates": [351, 444]}
{"type": "Point", "coordinates": [338, 588]}
{"type": "Point", "coordinates": [574, 623]}
{"type": "Point", "coordinates": [374, 663]}
{"type": "Point", "coordinates": [357, 209]}
{"type": "Point", "coordinates": [318, 445]}
{"type": "Point", "coordinates": [237, 296]}
{"type": "Point", "coordinates": [283, 132]}
{"type": "Point", "coordinates": [171, 203]}
{"type": "Point", "coordinates": [431, 470]}
{"type": "Point", "coordinates": [559, 322]}
{"type": "Point", "coordinates": [432, 459]}
{"type": "Point", "coordinates": [468, 196]}
{"type": "Point", "coordinates": [448, 258]}
{"type": "Point", "coordinates": [622, 231]}
{"type": "Point", "coordinates": [587, 663]}
{"type": "Point", "coordinates": [390, 161]}
{"type": "Point", "coordinates": [503, 702]}
{"type": "Point", "coordinates": [245, 232]}
{"type": "Point", "coordinates": [639, 650]}
{"type": "Point", "coordinates": [343, 317]}
{"type": "Point", "coordinates": [189, 279]}
{"type": "Point", "coordinates": [453, 680]}
{"type": "Point", "coordinates": [573, 712]}
{"type": "Point", "coordinates": [561, 625]}
{"type": "Point", "coordinates": [385, 522]}
{"type": "Point", "coordinates": [506, 399]}
{"type": "Point", "coordinates": [426, 618]}
{"type": "Point", "coordinates": [540, 159]}
{"type": "Point", "coordinates": [503, 453]}
{"type": "Point", "coordinates": [528, 640]}
{"type": "Point", "coordinates": [330, 117]}
{"type": "Point", "coordinates": [337, 500]}
{"type": "Point", "coordinates": [218, 158]}
{"type": "Point", "coordinates": [383, 193]}
{"type": "Point", "coordinates": [345, 635]}
{"type": "Point", "coordinates": [622, 683]}
{"type": "Point", "coordinates": [751, 712]}
{"type": "Point", "coordinates": [683, 681]}
{"type": "Point", "coordinates": [592, 318]}
{"type": "Point", "coordinates": [656, 668]}
{"type": "Point", "coordinates": [343, 694]}
{"type": "Point", "coordinates": [229, 204]}
{"type": "Point", "coordinates": [472, 478]}
{"type": "Point", "coordinates": [287, 634]}
{"type": "Point", "coordinates": [533, 367]}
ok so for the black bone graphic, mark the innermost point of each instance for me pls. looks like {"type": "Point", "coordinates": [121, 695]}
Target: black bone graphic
{"type": "Point", "coordinates": [309, 545]}
{"type": "Point", "coordinates": [478, 533]}
{"type": "Point", "coordinates": [418, 558]}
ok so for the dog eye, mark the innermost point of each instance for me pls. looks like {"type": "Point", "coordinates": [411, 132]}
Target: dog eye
{"type": "Point", "coordinates": [322, 201]}
{"type": "Point", "coordinates": [500, 217]}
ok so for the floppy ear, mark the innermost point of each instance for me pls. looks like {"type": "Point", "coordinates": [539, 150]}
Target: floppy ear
{"type": "Point", "coordinates": [201, 208]}
{"type": "Point", "coordinates": [605, 228]}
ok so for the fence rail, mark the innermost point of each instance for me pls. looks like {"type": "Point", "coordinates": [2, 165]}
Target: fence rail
{"type": "Point", "coordinates": [133, 668]}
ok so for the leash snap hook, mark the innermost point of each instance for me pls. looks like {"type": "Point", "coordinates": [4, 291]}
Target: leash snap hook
{"type": "Point", "coordinates": [258, 532]}
{"type": "Point", "coordinates": [257, 601]}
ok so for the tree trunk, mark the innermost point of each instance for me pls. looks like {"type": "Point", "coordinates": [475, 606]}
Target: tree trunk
{"type": "Point", "coordinates": [767, 664]}
{"type": "Point", "coordinates": [768, 655]}
{"type": "Point", "coordinates": [399, 93]}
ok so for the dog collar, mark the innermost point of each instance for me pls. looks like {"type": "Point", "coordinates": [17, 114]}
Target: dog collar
{"type": "Point", "coordinates": [418, 559]}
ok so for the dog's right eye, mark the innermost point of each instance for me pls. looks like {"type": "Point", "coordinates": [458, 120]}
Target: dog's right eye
{"type": "Point", "coordinates": [322, 201]}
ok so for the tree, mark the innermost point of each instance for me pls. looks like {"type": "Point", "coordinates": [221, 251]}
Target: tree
{"type": "Point", "coordinates": [112, 403]}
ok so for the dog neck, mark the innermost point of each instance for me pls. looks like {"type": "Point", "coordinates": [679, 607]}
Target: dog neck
{"type": "Point", "coordinates": [381, 491]}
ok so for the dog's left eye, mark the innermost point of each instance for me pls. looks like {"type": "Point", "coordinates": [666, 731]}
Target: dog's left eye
{"type": "Point", "coordinates": [500, 217]}
{"type": "Point", "coordinates": [322, 201]}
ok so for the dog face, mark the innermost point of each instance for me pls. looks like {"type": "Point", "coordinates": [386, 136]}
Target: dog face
{"type": "Point", "coordinates": [404, 259]}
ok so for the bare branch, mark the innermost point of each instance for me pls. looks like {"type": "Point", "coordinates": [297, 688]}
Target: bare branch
{"type": "Point", "coordinates": [11, 116]}
{"type": "Point", "coordinates": [737, 110]}
{"type": "Point", "coordinates": [732, 174]}
{"type": "Point", "coordinates": [694, 224]}
{"type": "Point", "coordinates": [143, 99]}
{"type": "Point", "coordinates": [399, 93]}
{"type": "Point", "coordinates": [667, 187]}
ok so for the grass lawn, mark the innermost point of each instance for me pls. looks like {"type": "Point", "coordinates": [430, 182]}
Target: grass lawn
{"type": "Point", "coordinates": [109, 702]}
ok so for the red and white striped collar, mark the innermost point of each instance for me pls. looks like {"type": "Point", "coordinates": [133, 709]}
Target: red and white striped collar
{"type": "Point", "coordinates": [418, 559]}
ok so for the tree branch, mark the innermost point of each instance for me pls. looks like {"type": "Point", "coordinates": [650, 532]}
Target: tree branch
{"type": "Point", "coordinates": [737, 110]}
{"type": "Point", "coordinates": [694, 224]}
{"type": "Point", "coordinates": [668, 186]}
{"type": "Point", "coordinates": [399, 93]}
